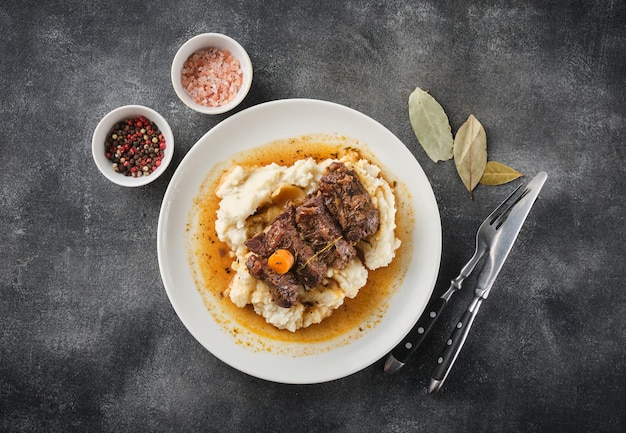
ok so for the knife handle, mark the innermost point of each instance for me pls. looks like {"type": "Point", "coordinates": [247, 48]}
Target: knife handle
{"type": "Point", "coordinates": [454, 345]}
{"type": "Point", "coordinates": [418, 334]}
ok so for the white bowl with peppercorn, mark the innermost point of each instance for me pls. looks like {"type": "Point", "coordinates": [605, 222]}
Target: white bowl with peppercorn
{"type": "Point", "coordinates": [132, 145]}
{"type": "Point", "coordinates": [211, 73]}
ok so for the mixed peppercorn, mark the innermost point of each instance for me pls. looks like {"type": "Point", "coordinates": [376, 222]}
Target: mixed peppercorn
{"type": "Point", "coordinates": [135, 146]}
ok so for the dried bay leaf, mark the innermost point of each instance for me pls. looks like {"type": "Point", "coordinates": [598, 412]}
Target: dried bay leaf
{"type": "Point", "coordinates": [431, 125]}
{"type": "Point", "coordinates": [497, 173]}
{"type": "Point", "coordinates": [470, 152]}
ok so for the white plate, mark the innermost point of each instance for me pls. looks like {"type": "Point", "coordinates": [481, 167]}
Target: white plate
{"type": "Point", "coordinates": [260, 125]}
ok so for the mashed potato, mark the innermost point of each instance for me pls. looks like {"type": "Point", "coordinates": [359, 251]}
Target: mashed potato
{"type": "Point", "coordinates": [244, 190]}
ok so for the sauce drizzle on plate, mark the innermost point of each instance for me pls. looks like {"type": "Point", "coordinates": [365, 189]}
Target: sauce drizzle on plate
{"type": "Point", "coordinates": [210, 259]}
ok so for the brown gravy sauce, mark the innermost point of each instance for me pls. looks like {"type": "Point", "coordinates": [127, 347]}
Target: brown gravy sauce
{"type": "Point", "coordinates": [211, 262]}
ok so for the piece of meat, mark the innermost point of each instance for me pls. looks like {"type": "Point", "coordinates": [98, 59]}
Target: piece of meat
{"type": "Point", "coordinates": [283, 287]}
{"type": "Point", "coordinates": [257, 245]}
{"type": "Point", "coordinates": [349, 202]}
{"type": "Point", "coordinates": [322, 231]}
{"type": "Point", "coordinates": [283, 233]}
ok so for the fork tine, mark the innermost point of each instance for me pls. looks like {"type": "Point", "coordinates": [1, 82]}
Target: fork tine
{"type": "Point", "coordinates": [504, 207]}
{"type": "Point", "coordinates": [504, 215]}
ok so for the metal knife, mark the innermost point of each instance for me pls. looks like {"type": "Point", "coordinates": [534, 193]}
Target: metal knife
{"type": "Point", "coordinates": [508, 231]}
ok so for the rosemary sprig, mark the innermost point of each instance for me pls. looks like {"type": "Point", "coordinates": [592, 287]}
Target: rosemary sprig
{"type": "Point", "coordinates": [326, 248]}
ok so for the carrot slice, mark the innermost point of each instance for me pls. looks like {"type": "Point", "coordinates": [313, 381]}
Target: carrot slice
{"type": "Point", "coordinates": [281, 261]}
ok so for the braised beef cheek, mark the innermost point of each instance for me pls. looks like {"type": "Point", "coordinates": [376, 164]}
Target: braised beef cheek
{"type": "Point", "coordinates": [321, 232]}
{"type": "Point", "coordinates": [348, 201]}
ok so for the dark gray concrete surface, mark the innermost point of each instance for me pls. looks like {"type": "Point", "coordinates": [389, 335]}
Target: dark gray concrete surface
{"type": "Point", "coordinates": [88, 338]}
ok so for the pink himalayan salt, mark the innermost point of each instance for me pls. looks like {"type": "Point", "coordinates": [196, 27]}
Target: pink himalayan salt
{"type": "Point", "coordinates": [212, 77]}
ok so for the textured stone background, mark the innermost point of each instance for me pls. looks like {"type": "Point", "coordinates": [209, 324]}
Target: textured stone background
{"type": "Point", "coordinates": [88, 339]}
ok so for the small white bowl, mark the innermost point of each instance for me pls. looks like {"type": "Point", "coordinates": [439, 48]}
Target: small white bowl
{"type": "Point", "coordinates": [221, 42]}
{"type": "Point", "coordinates": [105, 127]}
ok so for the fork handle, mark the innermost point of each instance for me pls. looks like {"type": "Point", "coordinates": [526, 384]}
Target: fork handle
{"type": "Point", "coordinates": [454, 345]}
{"type": "Point", "coordinates": [481, 249]}
{"type": "Point", "coordinates": [417, 335]}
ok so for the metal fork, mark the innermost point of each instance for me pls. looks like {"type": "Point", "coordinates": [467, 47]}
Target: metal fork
{"type": "Point", "coordinates": [484, 238]}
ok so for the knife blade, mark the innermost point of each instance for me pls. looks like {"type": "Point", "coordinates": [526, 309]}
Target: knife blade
{"type": "Point", "coordinates": [508, 232]}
